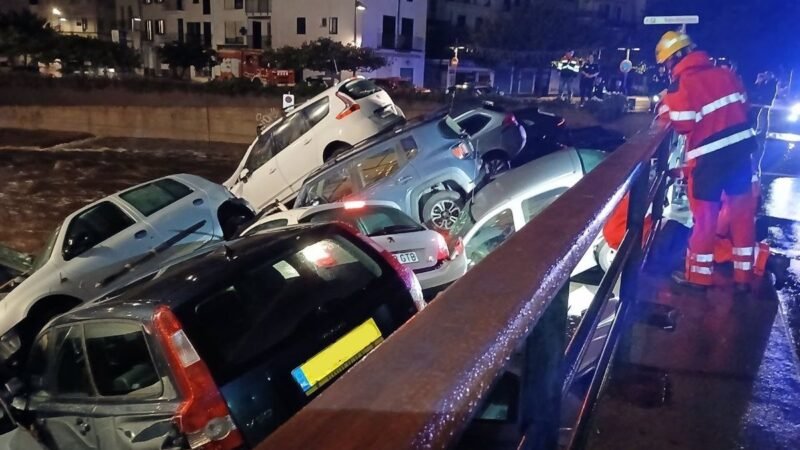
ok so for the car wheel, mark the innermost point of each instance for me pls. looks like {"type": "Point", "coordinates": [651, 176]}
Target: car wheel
{"type": "Point", "coordinates": [336, 150]}
{"type": "Point", "coordinates": [495, 163]}
{"type": "Point", "coordinates": [442, 209]}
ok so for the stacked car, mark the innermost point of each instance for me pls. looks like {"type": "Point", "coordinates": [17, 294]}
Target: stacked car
{"type": "Point", "coordinates": [146, 298]}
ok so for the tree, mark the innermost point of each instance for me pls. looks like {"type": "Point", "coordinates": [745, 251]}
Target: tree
{"type": "Point", "coordinates": [75, 51]}
{"type": "Point", "coordinates": [25, 34]}
{"type": "Point", "coordinates": [182, 55]}
{"type": "Point", "coordinates": [323, 55]}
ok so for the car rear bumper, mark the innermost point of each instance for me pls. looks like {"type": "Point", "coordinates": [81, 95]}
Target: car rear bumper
{"type": "Point", "coordinates": [447, 272]}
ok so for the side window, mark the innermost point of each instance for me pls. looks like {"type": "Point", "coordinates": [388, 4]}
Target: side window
{"type": "Point", "coordinates": [590, 159]}
{"type": "Point", "coordinates": [261, 153]}
{"type": "Point", "coordinates": [532, 206]}
{"type": "Point", "coordinates": [155, 196]}
{"type": "Point", "coordinates": [409, 146]}
{"type": "Point", "coordinates": [71, 370]}
{"type": "Point", "coordinates": [490, 235]}
{"type": "Point", "coordinates": [377, 166]}
{"type": "Point", "coordinates": [473, 124]}
{"type": "Point", "coordinates": [95, 225]}
{"type": "Point", "coordinates": [317, 111]}
{"type": "Point", "coordinates": [120, 360]}
{"type": "Point", "coordinates": [334, 186]}
{"type": "Point", "coordinates": [289, 131]}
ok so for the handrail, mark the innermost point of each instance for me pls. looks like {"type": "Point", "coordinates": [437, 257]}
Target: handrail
{"type": "Point", "coordinates": [422, 386]}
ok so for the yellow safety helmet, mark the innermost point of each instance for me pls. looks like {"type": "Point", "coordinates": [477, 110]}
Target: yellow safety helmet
{"type": "Point", "coordinates": [671, 43]}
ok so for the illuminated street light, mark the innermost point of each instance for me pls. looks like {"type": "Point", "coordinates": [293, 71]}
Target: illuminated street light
{"type": "Point", "coordinates": [56, 12]}
{"type": "Point", "coordinates": [62, 19]}
{"type": "Point", "coordinates": [360, 6]}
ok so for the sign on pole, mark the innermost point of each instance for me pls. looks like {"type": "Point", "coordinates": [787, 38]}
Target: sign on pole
{"type": "Point", "coordinates": [288, 101]}
{"type": "Point", "coordinates": [672, 20]}
{"type": "Point", "coordinates": [625, 66]}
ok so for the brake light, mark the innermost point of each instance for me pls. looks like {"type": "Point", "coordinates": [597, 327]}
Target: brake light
{"type": "Point", "coordinates": [509, 120]}
{"type": "Point", "coordinates": [349, 108]}
{"type": "Point", "coordinates": [458, 248]}
{"type": "Point", "coordinates": [461, 151]}
{"type": "Point", "coordinates": [442, 252]}
{"type": "Point", "coordinates": [203, 416]}
{"type": "Point", "coordinates": [358, 204]}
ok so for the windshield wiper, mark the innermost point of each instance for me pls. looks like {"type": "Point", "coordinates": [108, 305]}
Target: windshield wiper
{"type": "Point", "coordinates": [392, 229]}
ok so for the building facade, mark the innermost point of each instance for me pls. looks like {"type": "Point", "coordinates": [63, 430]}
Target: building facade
{"type": "Point", "coordinates": [91, 18]}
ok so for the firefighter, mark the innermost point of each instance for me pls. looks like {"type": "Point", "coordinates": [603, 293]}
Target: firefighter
{"type": "Point", "coordinates": [569, 68]}
{"type": "Point", "coordinates": [709, 105]}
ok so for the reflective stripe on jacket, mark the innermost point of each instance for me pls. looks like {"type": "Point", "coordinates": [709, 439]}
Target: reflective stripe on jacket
{"type": "Point", "coordinates": [708, 104]}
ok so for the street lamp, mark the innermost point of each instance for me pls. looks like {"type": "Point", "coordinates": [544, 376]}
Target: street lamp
{"type": "Point", "coordinates": [358, 6]}
{"type": "Point", "coordinates": [56, 12]}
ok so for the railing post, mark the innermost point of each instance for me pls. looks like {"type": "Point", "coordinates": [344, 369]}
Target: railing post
{"type": "Point", "coordinates": [637, 211]}
{"type": "Point", "coordinates": [541, 380]}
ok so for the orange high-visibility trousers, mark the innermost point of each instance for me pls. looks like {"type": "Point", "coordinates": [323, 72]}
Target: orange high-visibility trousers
{"type": "Point", "coordinates": [723, 248]}
{"type": "Point", "coordinates": [740, 213]}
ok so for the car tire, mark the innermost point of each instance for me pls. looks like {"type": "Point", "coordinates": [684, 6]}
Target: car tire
{"type": "Point", "coordinates": [495, 163]}
{"type": "Point", "coordinates": [336, 150]}
{"type": "Point", "coordinates": [441, 210]}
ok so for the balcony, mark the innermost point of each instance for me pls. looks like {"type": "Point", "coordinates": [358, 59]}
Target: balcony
{"type": "Point", "coordinates": [401, 42]}
{"type": "Point", "coordinates": [258, 8]}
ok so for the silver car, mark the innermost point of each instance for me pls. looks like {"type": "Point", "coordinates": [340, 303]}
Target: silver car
{"type": "Point", "coordinates": [428, 167]}
{"type": "Point", "coordinates": [424, 251]}
{"type": "Point", "coordinates": [496, 135]}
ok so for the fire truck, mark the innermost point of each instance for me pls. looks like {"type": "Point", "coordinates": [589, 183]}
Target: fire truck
{"type": "Point", "coordinates": [245, 63]}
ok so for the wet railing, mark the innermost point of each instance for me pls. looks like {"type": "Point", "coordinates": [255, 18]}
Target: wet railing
{"type": "Point", "coordinates": [425, 385]}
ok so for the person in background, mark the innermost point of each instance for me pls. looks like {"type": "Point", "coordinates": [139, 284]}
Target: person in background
{"type": "Point", "coordinates": [589, 73]}
{"type": "Point", "coordinates": [659, 81]}
{"type": "Point", "coordinates": [568, 68]}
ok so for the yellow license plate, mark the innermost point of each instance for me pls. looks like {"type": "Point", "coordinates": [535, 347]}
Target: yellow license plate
{"type": "Point", "coordinates": [337, 357]}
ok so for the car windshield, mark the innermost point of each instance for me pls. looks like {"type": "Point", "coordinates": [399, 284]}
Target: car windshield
{"type": "Point", "coordinates": [450, 128]}
{"type": "Point", "coordinates": [45, 254]}
{"type": "Point", "coordinates": [358, 89]}
{"type": "Point", "coordinates": [372, 220]}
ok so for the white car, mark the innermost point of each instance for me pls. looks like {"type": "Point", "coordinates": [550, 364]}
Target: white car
{"type": "Point", "coordinates": [424, 251]}
{"type": "Point", "coordinates": [283, 154]}
{"type": "Point", "coordinates": [509, 202]}
{"type": "Point", "coordinates": [112, 242]}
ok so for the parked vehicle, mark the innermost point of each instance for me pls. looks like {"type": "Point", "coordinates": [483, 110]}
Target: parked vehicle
{"type": "Point", "coordinates": [424, 251]}
{"type": "Point", "coordinates": [466, 90]}
{"type": "Point", "coordinates": [216, 352]}
{"type": "Point", "coordinates": [283, 154]}
{"type": "Point", "coordinates": [495, 134]}
{"type": "Point", "coordinates": [14, 436]}
{"type": "Point", "coordinates": [544, 130]}
{"type": "Point", "coordinates": [109, 242]}
{"type": "Point", "coordinates": [397, 85]}
{"type": "Point", "coordinates": [427, 167]}
{"type": "Point", "coordinates": [505, 205]}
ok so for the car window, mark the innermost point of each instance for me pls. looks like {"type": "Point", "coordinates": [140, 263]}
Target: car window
{"type": "Point", "coordinates": [71, 370]}
{"type": "Point", "coordinates": [39, 361]}
{"type": "Point", "coordinates": [370, 220]}
{"type": "Point", "coordinates": [532, 206]}
{"type": "Point", "coordinates": [282, 297]}
{"type": "Point", "coordinates": [263, 151]}
{"type": "Point", "coordinates": [152, 197]}
{"type": "Point", "coordinates": [490, 235]}
{"type": "Point", "coordinates": [590, 159]}
{"type": "Point", "coordinates": [376, 166]}
{"type": "Point", "coordinates": [333, 186]}
{"type": "Point", "coordinates": [317, 111]}
{"type": "Point", "coordinates": [120, 360]}
{"type": "Point", "coordinates": [97, 224]}
{"type": "Point", "coordinates": [268, 226]}
{"type": "Point", "coordinates": [449, 128]}
{"type": "Point", "coordinates": [358, 89]}
{"type": "Point", "coordinates": [410, 147]}
{"type": "Point", "coordinates": [474, 124]}
{"type": "Point", "coordinates": [289, 131]}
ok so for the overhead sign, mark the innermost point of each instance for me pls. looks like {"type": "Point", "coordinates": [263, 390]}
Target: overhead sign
{"type": "Point", "coordinates": [625, 66]}
{"type": "Point", "coordinates": [671, 20]}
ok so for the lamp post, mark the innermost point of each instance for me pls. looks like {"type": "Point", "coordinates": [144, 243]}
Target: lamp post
{"type": "Point", "coordinates": [627, 51]}
{"type": "Point", "coordinates": [357, 6]}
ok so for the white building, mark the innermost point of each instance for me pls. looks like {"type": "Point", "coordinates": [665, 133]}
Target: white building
{"type": "Point", "coordinates": [91, 18]}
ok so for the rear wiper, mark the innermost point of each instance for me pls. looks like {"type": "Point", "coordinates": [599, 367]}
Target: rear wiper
{"type": "Point", "coordinates": [391, 229]}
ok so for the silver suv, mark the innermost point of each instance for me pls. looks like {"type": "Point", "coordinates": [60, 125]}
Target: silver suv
{"type": "Point", "coordinates": [427, 166]}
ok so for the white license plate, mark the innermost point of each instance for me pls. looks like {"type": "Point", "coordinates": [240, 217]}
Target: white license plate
{"type": "Point", "coordinates": [407, 258]}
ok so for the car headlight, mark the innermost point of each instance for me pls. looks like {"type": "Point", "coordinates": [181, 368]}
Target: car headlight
{"type": "Point", "coordinates": [794, 112]}
{"type": "Point", "coordinates": [656, 99]}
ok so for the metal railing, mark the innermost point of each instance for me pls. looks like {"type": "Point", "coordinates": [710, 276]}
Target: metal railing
{"type": "Point", "coordinates": [257, 8]}
{"type": "Point", "coordinates": [423, 387]}
{"type": "Point", "coordinates": [401, 42]}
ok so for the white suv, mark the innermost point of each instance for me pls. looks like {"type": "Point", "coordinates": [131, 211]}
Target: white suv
{"type": "Point", "coordinates": [278, 161]}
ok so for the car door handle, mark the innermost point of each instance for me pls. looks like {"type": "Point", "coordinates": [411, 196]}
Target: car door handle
{"type": "Point", "coordinates": [197, 202]}
{"type": "Point", "coordinates": [308, 141]}
{"type": "Point", "coordinates": [141, 234]}
{"type": "Point", "coordinates": [405, 179]}
{"type": "Point", "coordinates": [271, 171]}
{"type": "Point", "coordinates": [83, 426]}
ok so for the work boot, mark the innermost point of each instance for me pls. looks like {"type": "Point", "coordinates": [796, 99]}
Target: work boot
{"type": "Point", "coordinates": [778, 265]}
{"type": "Point", "coordinates": [679, 279]}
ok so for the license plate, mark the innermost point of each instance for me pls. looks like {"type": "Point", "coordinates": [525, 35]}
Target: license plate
{"type": "Point", "coordinates": [337, 357]}
{"type": "Point", "coordinates": [407, 257]}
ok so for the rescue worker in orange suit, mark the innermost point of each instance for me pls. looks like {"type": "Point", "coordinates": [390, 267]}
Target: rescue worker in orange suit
{"type": "Point", "coordinates": [709, 105]}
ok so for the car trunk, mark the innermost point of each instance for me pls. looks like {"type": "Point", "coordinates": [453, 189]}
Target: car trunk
{"type": "Point", "coordinates": [375, 103]}
{"type": "Point", "coordinates": [417, 250]}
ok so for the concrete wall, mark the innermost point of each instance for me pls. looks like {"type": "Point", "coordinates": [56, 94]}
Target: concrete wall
{"type": "Point", "coordinates": [193, 123]}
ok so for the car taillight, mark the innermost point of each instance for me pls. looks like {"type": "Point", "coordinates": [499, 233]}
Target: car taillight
{"type": "Point", "coordinates": [355, 204]}
{"type": "Point", "coordinates": [349, 108]}
{"type": "Point", "coordinates": [461, 150]}
{"type": "Point", "coordinates": [509, 119]}
{"type": "Point", "coordinates": [458, 248]}
{"type": "Point", "coordinates": [442, 252]}
{"type": "Point", "coordinates": [203, 416]}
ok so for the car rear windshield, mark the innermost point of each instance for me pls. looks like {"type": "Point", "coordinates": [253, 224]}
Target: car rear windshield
{"type": "Point", "coordinates": [358, 89]}
{"type": "Point", "coordinates": [372, 220]}
{"type": "Point", "coordinates": [450, 128]}
{"type": "Point", "coordinates": [305, 284]}
{"type": "Point", "coordinates": [154, 196]}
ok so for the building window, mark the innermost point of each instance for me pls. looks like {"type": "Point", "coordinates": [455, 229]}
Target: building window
{"type": "Point", "coordinates": [333, 28]}
{"type": "Point", "coordinates": [148, 30]}
{"type": "Point", "coordinates": [233, 34]}
{"type": "Point", "coordinates": [478, 23]}
{"type": "Point", "coordinates": [179, 5]}
{"type": "Point", "coordinates": [461, 21]}
{"type": "Point", "coordinates": [324, 22]}
{"type": "Point", "coordinates": [234, 4]}
{"type": "Point", "coordinates": [161, 27]}
{"type": "Point", "coordinates": [301, 25]}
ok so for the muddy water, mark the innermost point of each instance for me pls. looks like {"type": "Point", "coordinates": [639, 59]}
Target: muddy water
{"type": "Point", "coordinates": [38, 188]}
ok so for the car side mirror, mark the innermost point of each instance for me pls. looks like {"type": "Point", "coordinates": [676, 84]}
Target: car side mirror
{"type": "Point", "coordinates": [244, 174]}
{"type": "Point", "coordinates": [76, 245]}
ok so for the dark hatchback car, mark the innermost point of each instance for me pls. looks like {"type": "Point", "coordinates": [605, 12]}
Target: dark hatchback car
{"type": "Point", "coordinates": [217, 351]}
